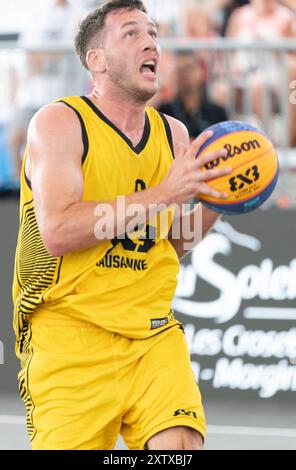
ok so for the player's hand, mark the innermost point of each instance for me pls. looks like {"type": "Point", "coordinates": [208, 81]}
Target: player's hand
{"type": "Point", "coordinates": [185, 178]}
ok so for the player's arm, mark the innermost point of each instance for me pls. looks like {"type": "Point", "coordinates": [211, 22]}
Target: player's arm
{"type": "Point", "coordinates": [206, 216]}
{"type": "Point", "coordinates": [66, 222]}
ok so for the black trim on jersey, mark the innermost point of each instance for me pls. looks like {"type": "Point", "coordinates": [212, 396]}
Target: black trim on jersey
{"type": "Point", "coordinates": [59, 270]}
{"type": "Point", "coordinates": [141, 145]}
{"type": "Point", "coordinates": [83, 130]}
{"type": "Point", "coordinates": [168, 133]}
{"type": "Point", "coordinates": [27, 180]}
{"type": "Point", "coordinates": [84, 139]}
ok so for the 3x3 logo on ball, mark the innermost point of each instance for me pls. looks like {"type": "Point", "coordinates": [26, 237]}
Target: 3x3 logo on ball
{"type": "Point", "coordinates": [239, 182]}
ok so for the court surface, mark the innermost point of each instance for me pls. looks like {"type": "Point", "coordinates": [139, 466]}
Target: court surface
{"type": "Point", "coordinates": [231, 425]}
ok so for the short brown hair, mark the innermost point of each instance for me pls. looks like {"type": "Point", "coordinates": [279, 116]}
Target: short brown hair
{"type": "Point", "coordinates": [94, 23]}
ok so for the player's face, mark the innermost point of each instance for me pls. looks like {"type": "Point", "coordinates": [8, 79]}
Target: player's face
{"type": "Point", "coordinates": [132, 53]}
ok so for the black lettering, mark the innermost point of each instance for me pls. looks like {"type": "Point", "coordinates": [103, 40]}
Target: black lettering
{"type": "Point", "coordinates": [255, 144]}
{"type": "Point", "coordinates": [228, 148]}
{"type": "Point", "coordinates": [213, 164]}
{"type": "Point", "coordinates": [116, 261]}
{"type": "Point", "coordinates": [138, 265]}
{"type": "Point", "coordinates": [123, 263]}
{"type": "Point", "coordinates": [129, 263]}
{"type": "Point", "coordinates": [140, 186]}
{"type": "Point", "coordinates": [237, 150]}
{"type": "Point", "coordinates": [108, 262]}
{"type": "Point", "coordinates": [256, 173]}
{"type": "Point", "coordinates": [244, 178]}
{"type": "Point", "coordinates": [246, 146]}
{"type": "Point", "coordinates": [233, 185]}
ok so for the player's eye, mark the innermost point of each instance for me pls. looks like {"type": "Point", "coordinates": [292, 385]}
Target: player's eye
{"type": "Point", "coordinates": [130, 34]}
{"type": "Point", "coordinates": [153, 34]}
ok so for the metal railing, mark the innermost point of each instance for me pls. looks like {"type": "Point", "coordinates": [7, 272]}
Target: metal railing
{"type": "Point", "coordinates": [269, 60]}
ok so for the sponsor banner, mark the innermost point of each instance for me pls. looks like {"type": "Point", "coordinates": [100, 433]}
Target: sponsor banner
{"type": "Point", "coordinates": [237, 300]}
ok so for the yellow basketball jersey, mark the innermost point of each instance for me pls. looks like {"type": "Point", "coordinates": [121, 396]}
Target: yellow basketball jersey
{"type": "Point", "coordinates": [125, 285]}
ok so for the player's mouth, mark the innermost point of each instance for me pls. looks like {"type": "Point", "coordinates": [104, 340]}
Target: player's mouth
{"type": "Point", "coordinates": [148, 70]}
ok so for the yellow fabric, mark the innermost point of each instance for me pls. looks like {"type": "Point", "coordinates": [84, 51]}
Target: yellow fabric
{"type": "Point", "coordinates": [124, 287]}
{"type": "Point", "coordinates": [83, 386]}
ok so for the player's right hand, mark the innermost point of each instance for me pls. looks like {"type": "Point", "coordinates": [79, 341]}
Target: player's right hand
{"type": "Point", "coordinates": [185, 178]}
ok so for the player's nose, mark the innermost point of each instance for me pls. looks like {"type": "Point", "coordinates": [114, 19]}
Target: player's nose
{"type": "Point", "coordinates": [150, 44]}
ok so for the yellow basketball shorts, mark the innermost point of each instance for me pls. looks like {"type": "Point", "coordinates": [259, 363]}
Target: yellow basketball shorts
{"type": "Point", "coordinates": [83, 386]}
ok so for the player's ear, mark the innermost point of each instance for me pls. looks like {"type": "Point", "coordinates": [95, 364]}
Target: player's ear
{"type": "Point", "coordinates": [96, 60]}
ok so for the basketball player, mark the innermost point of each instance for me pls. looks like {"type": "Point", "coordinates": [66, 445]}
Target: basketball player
{"type": "Point", "coordinates": [101, 351]}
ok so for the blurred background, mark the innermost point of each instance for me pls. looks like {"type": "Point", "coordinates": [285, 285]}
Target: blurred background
{"type": "Point", "coordinates": [221, 59]}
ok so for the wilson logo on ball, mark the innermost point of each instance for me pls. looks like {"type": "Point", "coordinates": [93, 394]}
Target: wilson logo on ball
{"type": "Point", "coordinates": [244, 147]}
{"type": "Point", "coordinates": [254, 163]}
{"type": "Point", "coordinates": [233, 151]}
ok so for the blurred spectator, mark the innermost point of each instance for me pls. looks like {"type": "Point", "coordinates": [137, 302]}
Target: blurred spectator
{"type": "Point", "coordinates": [215, 12]}
{"type": "Point", "coordinates": [228, 9]}
{"type": "Point", "coordinates": [42, 76]}
{"type": "Point", "coordinates": [191, 105]}
{"type": "Point", "coordinates": [207, 18]}
{"type": "Point", "coordinates": [290, 4]}
{"type": "Point", "coordinates": [166, 14]}
{"type": "Point", "coordinates": [201, 21]}
{"type": "Point", "coordinates": [197, 20]}
{"type": "Point", "coordinates": [262, 20]}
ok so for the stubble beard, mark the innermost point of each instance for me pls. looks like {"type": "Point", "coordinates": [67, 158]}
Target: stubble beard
{"type": "Point", "coordinates": [126, 86]}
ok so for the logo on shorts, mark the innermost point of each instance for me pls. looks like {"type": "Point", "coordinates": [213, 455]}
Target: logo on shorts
{"type": "Point", "coordinates": [158, 323]}
{"type": "Point", "coordinates": [182, 412]}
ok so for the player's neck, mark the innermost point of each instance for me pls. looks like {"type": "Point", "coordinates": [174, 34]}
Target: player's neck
{"type": "Point", "coordinates": [128, 116]}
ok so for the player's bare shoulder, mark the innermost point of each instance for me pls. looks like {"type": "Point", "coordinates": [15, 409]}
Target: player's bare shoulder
{"type": "Point", "coordinates": [57, 121]}
{"type": "Point", "coordinates": [57, 127]}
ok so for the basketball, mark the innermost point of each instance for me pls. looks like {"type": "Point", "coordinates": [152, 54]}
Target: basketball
{"type": "Point", "coordinates": [255, 165]}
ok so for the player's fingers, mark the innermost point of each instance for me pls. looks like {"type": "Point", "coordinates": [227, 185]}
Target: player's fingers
{"type": "Point", "coordinates": [180, 150]}
{"type": "Point", "coordinates": [211, 157]}
{"type": "Point", "coordinates": [207, 190]}
{"type": "Point", "coordinates": [198, 143]}
{"type": "Point", "coordinates": [213, 174]}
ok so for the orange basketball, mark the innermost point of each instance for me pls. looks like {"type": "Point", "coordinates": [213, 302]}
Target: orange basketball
{"type": "Point", "coordinates": [255, 165]}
